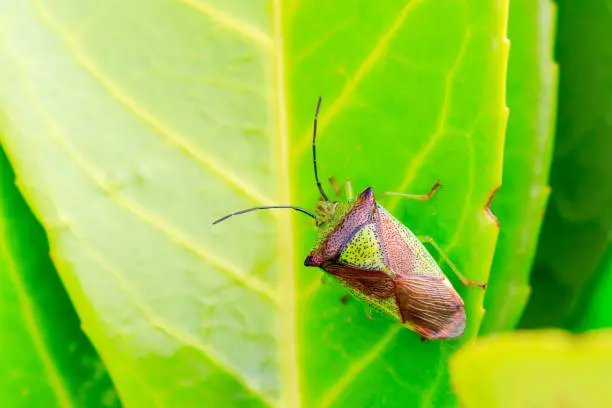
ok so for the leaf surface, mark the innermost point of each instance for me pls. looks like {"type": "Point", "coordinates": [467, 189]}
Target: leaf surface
{"type": "Point", "coordinates": [596, 310]}
{"type": "Point", "coordinates": [133, 127]}
{"type": "Point", "coordinates": [521, 201]}
{"type": "Point", "coordinates": [575, 233]}
{"type": "Point", "coordinates": [46, 359]}
{"type": "Point", "coordinates": [535, 369]}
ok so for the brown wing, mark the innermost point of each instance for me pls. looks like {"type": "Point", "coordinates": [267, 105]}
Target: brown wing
{"type": "Point", "coordinates": [430, 305]}
{"type": "Point", "coordinates": [369, 282]}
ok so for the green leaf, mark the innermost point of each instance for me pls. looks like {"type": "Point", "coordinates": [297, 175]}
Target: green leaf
{"type": "Point", "coordinates": [575, 234]}
{"type": "Point", "coordinates": [535, 369]}
{"type": "Point", "coordinates": [133, 127]}
{"type": "Point", "coordinates": [46, 360]}
{"type": "Point", "coordinates": [596, 312]}
{"type": "Point", "coordinates": [520, 203]}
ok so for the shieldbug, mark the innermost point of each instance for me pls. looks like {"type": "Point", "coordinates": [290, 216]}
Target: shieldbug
{"type": "Point", "coordinates": [381, 262]}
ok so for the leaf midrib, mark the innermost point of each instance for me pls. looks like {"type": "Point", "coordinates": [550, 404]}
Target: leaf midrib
{"type": "Point", "coordinates": [290, 388]}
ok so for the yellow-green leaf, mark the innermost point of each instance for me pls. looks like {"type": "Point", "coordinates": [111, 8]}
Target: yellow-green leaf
{"type": "Point", "coordinates": [535, 369]}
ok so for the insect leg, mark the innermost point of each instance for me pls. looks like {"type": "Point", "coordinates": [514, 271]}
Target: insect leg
{"type": "Point", "coordinates": [450, 263]}
{"type": "Point", "coordinates": [337, 189]}
{"type": "Point", "coordinates": [349, 190]}
{"type": "Point", "coordinates": [422, 197]}
{"type": "Point", "coordinates": [344, 298]}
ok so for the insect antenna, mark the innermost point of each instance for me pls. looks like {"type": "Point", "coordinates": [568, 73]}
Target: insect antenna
{"type": "Point", "coordinates": [299, 209]}
{"type": "Point", "coordinates": [314, 152]}
{"type": "Point", "coordinates": [267, 207]}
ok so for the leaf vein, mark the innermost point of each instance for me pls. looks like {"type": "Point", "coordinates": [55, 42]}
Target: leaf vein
{"type": "Point", "coordinates": [139, 211]}
{"type": "Point", "coordinates": [228, 21]}
{"type": "Point", "coordinates": [171, 136]}
{"type": "Point", "coordinates": [159, 323]}
{"type": "Point", "coordinates": [353, 82]}
{"type": "Point", "coordinates": [290, 396]}
{"type": "Point", "coordinates": [433, 141]}
{"type": "Point", "coordinates": [357, 367]}
{"type": "Point", "coordinates": [468, 195]}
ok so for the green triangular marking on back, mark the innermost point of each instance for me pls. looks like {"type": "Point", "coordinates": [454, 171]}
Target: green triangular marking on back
{"type": "Point", "coordinates": [364, 251]}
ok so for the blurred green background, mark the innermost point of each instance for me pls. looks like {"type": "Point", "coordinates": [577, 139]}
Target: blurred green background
{"type": "Point", "coordinates": [126, 128]}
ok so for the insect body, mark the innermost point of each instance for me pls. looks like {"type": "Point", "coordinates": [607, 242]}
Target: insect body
{"type": "Point", "coordinates": [382, 263]}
